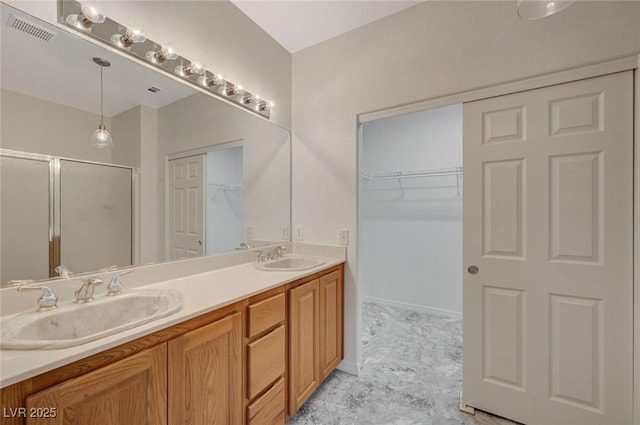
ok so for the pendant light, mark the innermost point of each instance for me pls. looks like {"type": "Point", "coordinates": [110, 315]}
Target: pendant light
{"type": "Point", "coordinates": [536, 9]}
{"type": "Point", "coordinates": [101, 137]}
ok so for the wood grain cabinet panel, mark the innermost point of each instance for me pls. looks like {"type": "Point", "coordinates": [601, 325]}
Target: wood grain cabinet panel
{"type": "Point", "coordinates": [268, 409]}
{"type": "Point", "coordinates": [267, 358]}
{"type": "Point", "coordinates": [266, 314]}
{"type": "Point", "coordinates": [331, 322]}
{"type": "Point", "coordinates": [205, 375]}
{"type": "Point", "coordinates": [304, 343]}
{"type": "Point", "coordinates": [132, 391]}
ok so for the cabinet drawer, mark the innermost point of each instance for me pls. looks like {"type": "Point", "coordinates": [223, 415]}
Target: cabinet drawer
{"type": "Point", "coordinates": [266, 314]}
{"type": "Point", "coordinates": [268, 409]}
{"type": "Point", "coordinates": [266, 361]}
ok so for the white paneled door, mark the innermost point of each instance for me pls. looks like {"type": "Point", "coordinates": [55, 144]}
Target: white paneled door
{"type": "Point", "coordinates": [548, 245]}
{"type": "Point", "coordinates": [186, 206]}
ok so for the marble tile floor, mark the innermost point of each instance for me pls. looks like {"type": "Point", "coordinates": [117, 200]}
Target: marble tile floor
{"type": "Point", "coordinates": [411, 375]}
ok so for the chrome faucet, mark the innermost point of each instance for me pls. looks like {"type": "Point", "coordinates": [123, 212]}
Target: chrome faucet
{"type": "Point", "coordinates": [262, 256]}
{"type": "Point", "coordinates": [115, 286]}
{"type": "Point", "coordinates": [245, 246]}
{"type": "Point", "coordinates": [63, 271]}
{"type": "Point", "coordinates": [280, 251]}
{"type": "Point", "coordinates": [85, 293]}
{"type": "Point", "coordinates": [47, 301]}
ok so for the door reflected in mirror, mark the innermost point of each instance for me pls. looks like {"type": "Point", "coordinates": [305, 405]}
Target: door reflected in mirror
{"type": "Point", "coordinates": [125, 197]}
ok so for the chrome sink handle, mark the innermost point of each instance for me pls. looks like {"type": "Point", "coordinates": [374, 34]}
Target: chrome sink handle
{"type": "Point", "coordinates": [280, 251]}
{"type": "Point", "coordinates": [115, 286]}
{"type": "Point", "coordinates": [20, 282]}
{"type": "Point", "coordinates": [85, 293]}
{"type": "Point", "coordinates": [47, 301]}
{"type": "Point", "coordinates": [109, 269]}
{"type": "Point", "coordinates": [63, 272]}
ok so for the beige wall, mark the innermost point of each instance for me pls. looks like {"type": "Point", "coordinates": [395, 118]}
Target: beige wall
{"type": "Point", "coordinates": [215, 32]}
{"type": "Point", "coordinates": [150, 185]}
{"type": "Point", "coordinates": [126, 133]}
{"type": "Point", "coordinates": [196, 122]}
{"type": "Point", "coordinates": [430, 50]}
{"type": "Point", "coordinates": [54, 129]}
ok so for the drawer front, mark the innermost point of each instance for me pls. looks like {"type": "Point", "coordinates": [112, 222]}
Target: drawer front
{"type": "Point", "coordinates": [266, 314]}
{"type": "Point", "coordinates": [266, 361]}
{"type": "Point", "coordinates": [270, 408]}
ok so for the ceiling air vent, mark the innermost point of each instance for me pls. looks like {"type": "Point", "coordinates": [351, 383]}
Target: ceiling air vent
{"type": "Point", "coordinates": [33, 30]}
{"type": "Point", "coordinates": [153, 89]}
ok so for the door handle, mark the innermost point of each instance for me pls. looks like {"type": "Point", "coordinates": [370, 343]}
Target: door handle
{"type": "Point", "coordinates": [473, 269]}
{"type": "Point", "coordinates": [200, 243]}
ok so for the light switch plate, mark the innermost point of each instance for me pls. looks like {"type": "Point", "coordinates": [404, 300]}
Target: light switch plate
{"type": "Point", "coordinates": [344, 237]}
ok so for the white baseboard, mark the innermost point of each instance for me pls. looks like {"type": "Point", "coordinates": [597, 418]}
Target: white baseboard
{"type": "Point", "coordinates": [413, 307]}
{"type": "Point", "coordinates": [349, 367]}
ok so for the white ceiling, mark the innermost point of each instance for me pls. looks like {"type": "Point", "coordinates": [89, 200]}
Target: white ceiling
{"type": "Point", "coordinates": [62, 71]}
{"type": "Point", "coordinates": [298, 24]}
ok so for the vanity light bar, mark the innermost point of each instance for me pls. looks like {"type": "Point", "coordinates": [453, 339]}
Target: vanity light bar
{"type": "Point", "coordinates": [133, 41]}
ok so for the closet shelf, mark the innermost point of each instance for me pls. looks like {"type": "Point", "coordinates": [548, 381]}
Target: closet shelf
{"type": "Point", "coordinates": [224, 186]}
{"type": "Point", "coordinates": [455, 171]}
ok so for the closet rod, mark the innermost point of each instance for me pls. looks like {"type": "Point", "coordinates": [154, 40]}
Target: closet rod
{"type": "Point", "coordinates": [225, 186]}
{"type": "Point", "coordinates": [456, 171]}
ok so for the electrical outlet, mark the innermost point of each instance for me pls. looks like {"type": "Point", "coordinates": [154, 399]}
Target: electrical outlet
{"type": "Point", "coordinates": [299, 234]}
{"type": "Point", "coordinates": [249, 232]}
{"type": "Point", "coordinates": [284, 233]}
{"type": "Point", "coordinates": [344, 237]}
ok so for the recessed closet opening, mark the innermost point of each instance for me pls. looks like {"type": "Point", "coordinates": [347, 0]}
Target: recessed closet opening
{"type": "Point", "coordinates": [410, 252]}
{"type": "Point", "coordinates": [410, 211]}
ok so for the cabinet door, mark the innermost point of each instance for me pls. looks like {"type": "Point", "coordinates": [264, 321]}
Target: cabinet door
{"type": "Point", "coordinates": [304, 343]}
{"type": "Point", "coordinates": [132, 391]}
{"type": "Point", "coordinates": [331, 322]}
{"type": "Point", "coordinates": [205, 375]}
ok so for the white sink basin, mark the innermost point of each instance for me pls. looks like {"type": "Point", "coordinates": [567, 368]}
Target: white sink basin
{"type": "Point", "coordinates": [74, 324]}
{"type": "Point", "coordinates": [290, 263]}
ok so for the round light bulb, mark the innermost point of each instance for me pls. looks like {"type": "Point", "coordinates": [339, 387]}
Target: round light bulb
{"type": "Point", "coordinates": [130, 37]}
{"type": "Point", "coordinates": [165, 53]}
{"type": "Point", "coordinates": [219, 79]}
{"type": "Point", "coordinates": [136, 35]}
{"type": "Point", "coordinates": [168, 52]}
{"type": "Point", "coordinates": [84, 21]}
{"type": "Point", "coordinates": [92, 14]}
{"type": "Point", "coordinates": [196, 67]}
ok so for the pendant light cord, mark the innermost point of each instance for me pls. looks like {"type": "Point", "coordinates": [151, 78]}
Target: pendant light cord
{"type": "Point", "coordinates": [101, 97]}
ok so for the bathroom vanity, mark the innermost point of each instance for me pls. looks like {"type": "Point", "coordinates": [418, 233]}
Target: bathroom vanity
{"type": "Point", "coordinates": [261, 348]}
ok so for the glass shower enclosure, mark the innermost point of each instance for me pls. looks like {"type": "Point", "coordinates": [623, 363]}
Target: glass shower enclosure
{"type": "Point", "coordinates": [57, 211]}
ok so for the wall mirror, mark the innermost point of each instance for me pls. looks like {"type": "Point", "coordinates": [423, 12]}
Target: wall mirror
{"type": "Point", "coordinates": [188, 174]}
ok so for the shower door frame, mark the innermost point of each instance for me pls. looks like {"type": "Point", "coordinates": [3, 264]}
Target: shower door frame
{"type": "Point", "coordinates": [55, 206]}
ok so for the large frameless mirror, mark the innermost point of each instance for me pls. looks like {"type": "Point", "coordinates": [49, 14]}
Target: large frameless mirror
{"type": "Point", "coordinates": [188, 174]}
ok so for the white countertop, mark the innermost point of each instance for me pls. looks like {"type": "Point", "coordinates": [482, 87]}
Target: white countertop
{"type": "Point", "coordinates": [201, 293]}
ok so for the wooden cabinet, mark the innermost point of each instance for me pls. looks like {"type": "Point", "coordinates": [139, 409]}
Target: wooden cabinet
{"type": "Point", "coordinates": [205, 375]}
{"type": "Point", "coordinates": [331, 322]}
{"type": "Point", "coordinates": [268, 409]}
{"type": "Point", "coordinates": [315, 334]}
{"type": "Point", "coordinates": [304, 343]}
{"type": "Point", "coordinates": [131, 391]}
{"type": "Point", "coordinates": [265, 314]}
{"type": "Point", "coordinates": [252, 362]}
{"type": "Point", "coordinates": [266, 358]}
